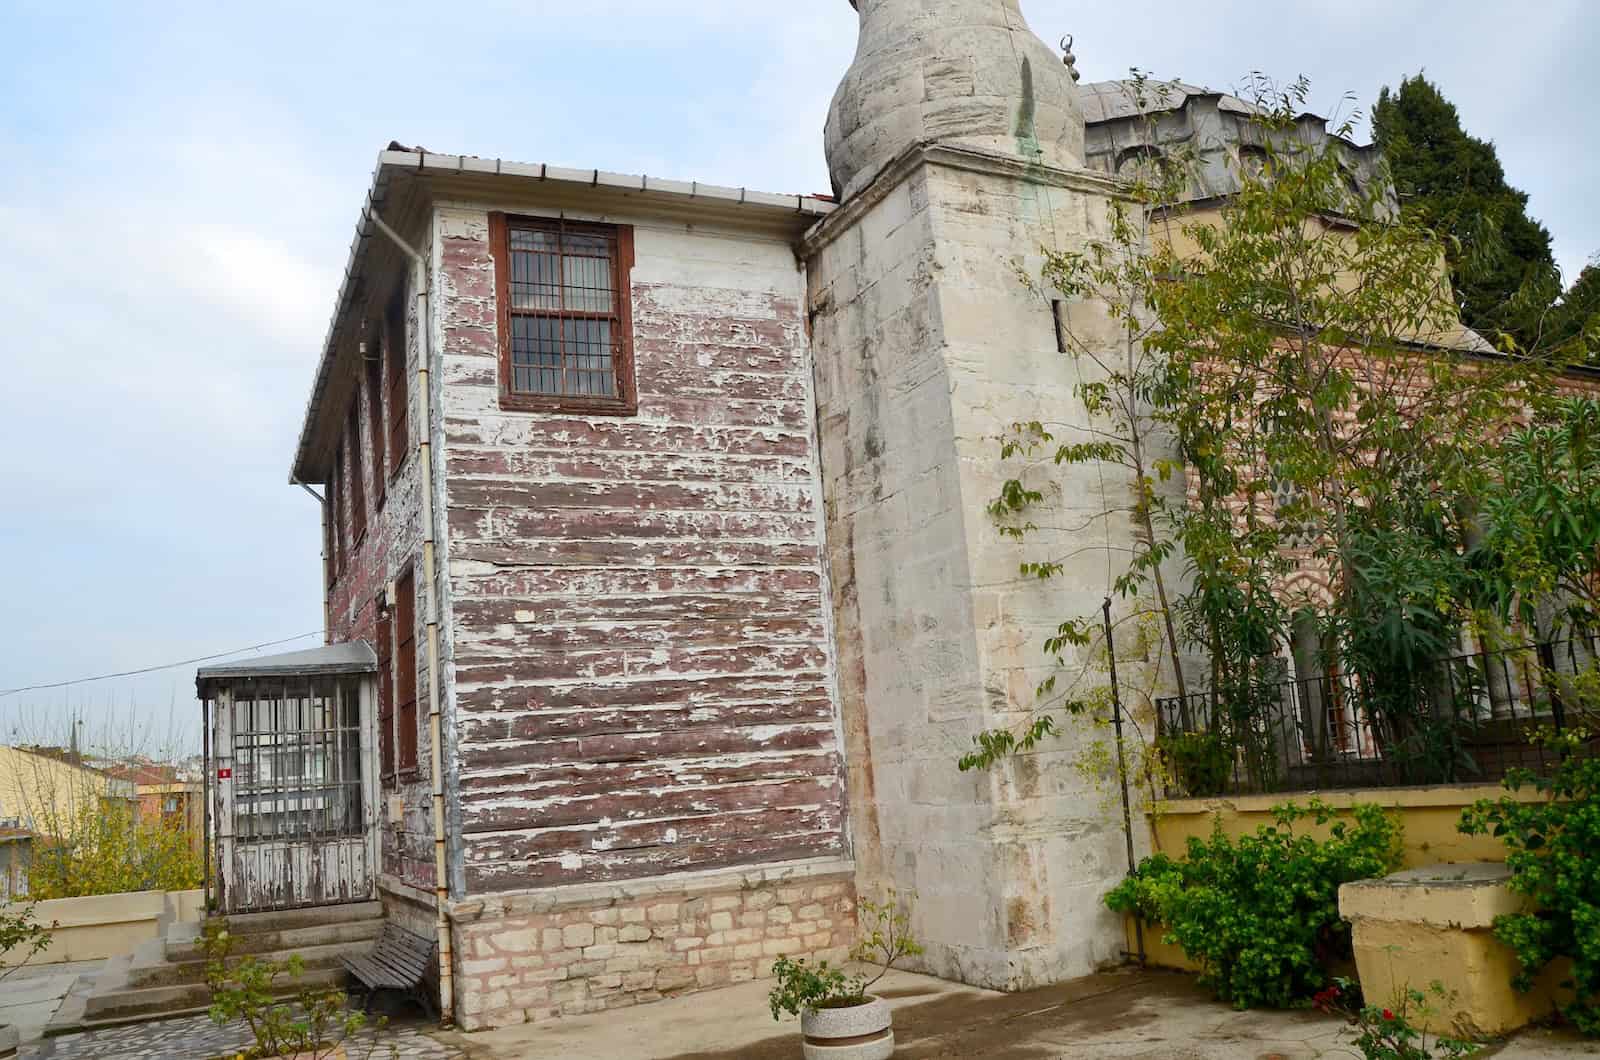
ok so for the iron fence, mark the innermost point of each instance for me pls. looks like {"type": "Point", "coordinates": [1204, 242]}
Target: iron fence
{"type": "Point", "coordinates": [1467, 719]}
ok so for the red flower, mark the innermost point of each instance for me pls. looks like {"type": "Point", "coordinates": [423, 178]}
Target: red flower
{"type": "Point", "coordinates": [1388, 1015]}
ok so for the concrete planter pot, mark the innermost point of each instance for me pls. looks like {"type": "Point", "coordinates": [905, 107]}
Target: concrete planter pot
{"type": "Point", "coordinates": [858, 1032]}
{"type": "Point", "coordinates": [9, 1040]}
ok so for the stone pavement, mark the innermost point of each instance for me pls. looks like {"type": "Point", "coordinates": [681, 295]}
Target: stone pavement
{"type": "Point", "coordinates": [197, 1038]}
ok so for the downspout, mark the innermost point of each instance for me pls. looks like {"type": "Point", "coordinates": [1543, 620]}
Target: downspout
{"type": "Point", "coordinates": [430, 578]}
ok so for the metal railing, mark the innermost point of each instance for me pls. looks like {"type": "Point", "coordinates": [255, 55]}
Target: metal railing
{"type": "Point", "coordinates": [1468, 719]}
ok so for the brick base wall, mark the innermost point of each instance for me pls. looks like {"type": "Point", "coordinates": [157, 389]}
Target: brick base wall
{"type": "Point", "coordinates": [536, 956]}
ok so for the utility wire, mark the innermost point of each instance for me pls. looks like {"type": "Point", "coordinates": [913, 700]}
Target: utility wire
{"type": "Point", "coordinates": [152, 669]}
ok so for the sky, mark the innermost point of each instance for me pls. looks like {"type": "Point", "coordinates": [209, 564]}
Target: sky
{"type": "Point", "coordinates": [181, 181]}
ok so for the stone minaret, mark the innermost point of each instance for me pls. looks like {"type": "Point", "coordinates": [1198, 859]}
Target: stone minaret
{"type": "Point", "coordinates": [956, 144]}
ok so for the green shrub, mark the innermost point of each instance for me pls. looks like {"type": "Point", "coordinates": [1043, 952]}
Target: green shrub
{"type": "Point", "coordinates": [1554, 857]}
{"type": "Point", "coordinates": [1260, 914]}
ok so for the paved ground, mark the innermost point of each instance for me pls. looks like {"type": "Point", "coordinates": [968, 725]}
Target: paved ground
{"type": "Point", "coordinates": [1120, 1016]}
{"type": "Point", "coordinates": [29, 995]}
{"type": "Point", "coordinates": [197, 1038]}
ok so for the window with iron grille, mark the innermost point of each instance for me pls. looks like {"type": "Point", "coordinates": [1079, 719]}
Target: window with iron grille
{"type": "Point", "coordinates": [565, 318]}
{"type": "Point", "coordinates": [405, 672]}
{"type": "Point", "coordinates": [394, 353]}
{"type": "Point", "coordinates": [385, 650]}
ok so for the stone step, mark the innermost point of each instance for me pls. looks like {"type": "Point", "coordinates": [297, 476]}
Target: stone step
{"type": "Point", "coordinates": [312, 916]}
{"type": "Point", "coordinates": [181, 999]}
{"type": "Point", "coordinates": [179, 972]}
{"type": "Point", "coordinates": [281, 942]}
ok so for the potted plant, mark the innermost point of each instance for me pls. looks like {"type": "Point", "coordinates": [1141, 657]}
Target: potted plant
{"type": "Point", "coordinates": [839, 1018]}
{"type": "Point", "coordinates": [18, 928]}
{"type": "Point", "coordinates": [316, 1024]}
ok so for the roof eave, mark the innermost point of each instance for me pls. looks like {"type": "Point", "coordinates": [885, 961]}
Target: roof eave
{"type": "Point", "coordinates": [742, 201]}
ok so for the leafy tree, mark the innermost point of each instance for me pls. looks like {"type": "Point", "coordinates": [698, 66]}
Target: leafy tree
{"type": "Point", "coordinates": [1501, 263]}
{"type": "Point", "coordinates": [1317, 382]}
{"type": "Point", "coordinates": [106, 851]}
{"type": "Point", "coordinates": [1299, 348]}
{"type": "Point", "coordinates": [1541, 522]}
{"type": "Point", "coordinates": [1577, 319]}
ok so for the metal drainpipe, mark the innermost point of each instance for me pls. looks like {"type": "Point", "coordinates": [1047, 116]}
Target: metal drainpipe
{"type": "Point", "coordinates": [429, 577]}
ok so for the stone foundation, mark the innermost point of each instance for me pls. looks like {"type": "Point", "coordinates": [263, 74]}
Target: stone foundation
{"type": "Point", "coordinates": [537, 955]}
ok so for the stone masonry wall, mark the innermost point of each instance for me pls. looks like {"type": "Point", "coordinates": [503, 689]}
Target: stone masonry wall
{"type": "Point", "coordinates": [928, 348]}
{"type": "Point", "coordinates": [583, 949]}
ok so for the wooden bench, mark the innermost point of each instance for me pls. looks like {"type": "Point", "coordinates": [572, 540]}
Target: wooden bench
{"type": "Point", "coordinates": [402, 960]}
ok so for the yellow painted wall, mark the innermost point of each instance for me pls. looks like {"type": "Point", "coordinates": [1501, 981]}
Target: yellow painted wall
{"type": "Point", "coordinates": [1428, 818]}
{"type": "Point", "coordinates": [47, 794]}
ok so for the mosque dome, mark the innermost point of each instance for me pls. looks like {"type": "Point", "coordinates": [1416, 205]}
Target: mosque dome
{"type": "Point", "coordinates": [962, 72]}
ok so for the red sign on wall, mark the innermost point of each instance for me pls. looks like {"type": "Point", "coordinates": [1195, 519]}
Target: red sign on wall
{"type": "Point", "coordinates": [224, 774]}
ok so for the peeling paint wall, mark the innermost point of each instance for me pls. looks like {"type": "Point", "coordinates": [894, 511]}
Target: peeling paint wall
{"type": "Point", "coordinates": [640, 659]}
{"type": "Point", "coordinates": [393, 540]}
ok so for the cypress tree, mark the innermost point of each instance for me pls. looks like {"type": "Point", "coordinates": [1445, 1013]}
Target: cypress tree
{"type": "Point", "coordinates": [1501, 263]}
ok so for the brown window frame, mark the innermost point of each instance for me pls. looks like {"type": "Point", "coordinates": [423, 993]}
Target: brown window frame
{"type": "Point", "coordinates": [374, 374]}
{"type": "Point", "coordinates": [385, 651]}
{"type": "Point", "coordinates": [626, 401]}
{"type": "Point", "coordinates": [394, 352]}
{"type": "Point", "coordinates": [358, 478]}
{"type": "Point", "coordinates": [405, 677]}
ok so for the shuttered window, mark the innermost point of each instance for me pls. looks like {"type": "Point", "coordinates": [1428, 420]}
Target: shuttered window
{"type": "Point", "coordinates": [385, 650]}
{"type": "Point", "coordinates": [374, 374]}
{"type": "Point", "coordinates": [405, 675]}
{"type": "Point", "coordinates": [394, 356]}
{"type": "Point", "coordinates": [358, 485]}
{"type": "Point", "coordinates": [336, 506]}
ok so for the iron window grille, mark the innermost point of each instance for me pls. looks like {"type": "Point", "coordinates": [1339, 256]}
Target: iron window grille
{"type": "Point", "coordinates": [564, 312]}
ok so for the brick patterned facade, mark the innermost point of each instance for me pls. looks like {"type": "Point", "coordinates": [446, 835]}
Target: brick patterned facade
{"type": "Point", "coordinates": [571, 950]}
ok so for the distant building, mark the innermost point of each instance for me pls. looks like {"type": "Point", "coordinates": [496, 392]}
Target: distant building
{"type": "Point", "coordinates": [16, 857]}
{"type": "Point", "coordinates": [49, 792]}
{"type": "Point", "coordinates": [167, 794]}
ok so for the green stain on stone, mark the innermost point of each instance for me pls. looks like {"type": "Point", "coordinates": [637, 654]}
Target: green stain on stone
{"type": "Point", "coordinates": [1027, 132]}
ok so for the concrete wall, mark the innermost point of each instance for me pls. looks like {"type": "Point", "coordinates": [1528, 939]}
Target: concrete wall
{"type": "Point", "coordinates": [928, 348]}
{"type": "Point", "coordinates": [1436, 925]}
{"type": "Point", "coordinates": [642, 671]}
{"type": "Point", "coordinates": [109, 925]}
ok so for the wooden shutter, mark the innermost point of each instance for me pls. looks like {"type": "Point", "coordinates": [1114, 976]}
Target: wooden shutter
{"type": "Point", "coordinates": [405, 678]}
{"type": "Point", "coordinates": [385, 649]}
{"type": "Point", "coordinates": [374, 366]}
{"type": "Point", "coordinates": [358, 484]}
{"type": "Point", "coordinates": [394, 352]}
